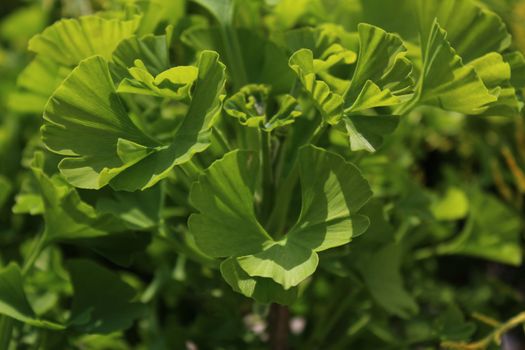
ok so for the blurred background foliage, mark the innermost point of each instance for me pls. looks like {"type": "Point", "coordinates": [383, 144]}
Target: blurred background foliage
{"type": "Point", "coordinates": [450, 266]}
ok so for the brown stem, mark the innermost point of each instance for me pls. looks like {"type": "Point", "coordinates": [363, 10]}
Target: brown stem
{"type": "Point", "coordinates": [279, 319]}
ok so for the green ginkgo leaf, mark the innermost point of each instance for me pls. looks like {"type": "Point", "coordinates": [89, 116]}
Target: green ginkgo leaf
{"type": "Point", "coordinates": [264, 290]}
{"type": "Point", "coordinates": [152, 50]}
{"type": "Point", "coordinates": [492, 232]}
{"type": "Point", "coordinates": [227, 226]}
{"type": "Point", "coordinates": [463, 69]}
{"type": "Point", "coordinates": [446, 82]}
{"type": "Point", "coordinates": [328, 103]}
{"type": "Point", "coordinates": [251, 104]}
{"type": "Point", "coordinates": [381, 272]}
{"type": "Point", "coordinates": [367, 133]}
{"type": "Point", "coordinates": [66, 215]}
{"type": "Point", "coordinates": [263, 60]}
{"type": "Point", "coordinates": [517, 65]}
{"type": "Point", "coordinates": [100, 310]}
{"type": "Point", "coordinates": [59, 49]}
{"type": "Point", "coordinates": [174, 83]}
{"type": "Point", "coordinates": [69, 41]}
{"type": "Point", "coordinates": [14, 302]}
{"type": "Point", "coordinates": [36, 83]}
{"type": "Point", "coordinates": [86, 122]}
{"type": "Point", "coordinates": [327, 43]}
{"type": "Point", "coordinates": [472, 30]}
{"type": "Point", "coordinates": [382, 76]}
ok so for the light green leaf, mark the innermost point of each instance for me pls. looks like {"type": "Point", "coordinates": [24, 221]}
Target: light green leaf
{"type": "Point", "coordinates": [20, 24]}
{"type": "Point", "coordinates": [36, 83]}
{"type": "Point", "coordinates": [100, 310]}
{"type": "Point", "coordinates": [86, 122]}
{"type": "Point", "coordinates": [329, 104]}
{"type": "Point", "coordinates": [473, 30]}
{"type": "Point", "coordinates": [155, 13]}
{"type": "Point", "coordinates": [250, 106]}
{"type": "Point", "coordinates": [264, 290]}
{"type": "Point", "coordinates": [59, 49]}
{"type": "Point", "coordinates": [174, 83]}
{"type": "Point", "coordinates": [454, 205]}
{"type": "Point", "coordinates": [81, 110]}
{"type": "Point", "coordinates": [492, 232]}
{"type": "Point", "coordinates": [446, 82]}
{"type": "Point", "coordinates": [287, 262]}
{"type": "Point", "coordinates": [193, 135]}
{"type": "Point", "coordinates": [13, 299]}
{"type": "Point", "coordinates": [326, 43]}
{"type": "Point", "coordinates": [496, 75]}
{"type": "Point", "coordinates": [152, 50]}
{"type": "Point", "coordinates": [29, 199]}
{"type": "Point", "coordinates": [227, 225]}
{"type": "Point", "coordinates": [69, 41]}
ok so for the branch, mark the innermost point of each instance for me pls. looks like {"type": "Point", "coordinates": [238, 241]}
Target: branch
{"type": "Point", "coordinates": [494, 336]}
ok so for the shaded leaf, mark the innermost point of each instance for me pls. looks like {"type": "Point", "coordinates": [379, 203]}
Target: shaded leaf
{"type": "Point", "coordinates": [368, 132]}
{"type": "Point", "coordinates": [96, 309]}
{"type": "Point", "coordinates": [380, 271]}
{"type": "Point", "coordinates": [250, 106]}
{"type": "Point", "coordinates": [13, 300]}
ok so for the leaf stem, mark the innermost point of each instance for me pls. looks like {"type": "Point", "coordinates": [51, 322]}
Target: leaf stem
{"type": "Point", "coordinates": [277, 220]}
{"type": "Point", "coordinates": [234, 56]}
{"type": "Point", "coordinates": [37, 248]}
{"type": "Point", "coordinates": [333, 314]}
{"type": "Point", "coordinates": [6, 329]}
{"type": "Point", "coordinates": [493, 337]}
{"type": "Point", "coordinates": [267, 174]}
{"type": "Point", "coordinates": [221, 139]}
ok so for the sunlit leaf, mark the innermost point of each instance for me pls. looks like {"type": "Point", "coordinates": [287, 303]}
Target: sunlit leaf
{"type": "Point", "coordinates": [123, 155]}
{"type": "Point", "coordinates": [227, 225]}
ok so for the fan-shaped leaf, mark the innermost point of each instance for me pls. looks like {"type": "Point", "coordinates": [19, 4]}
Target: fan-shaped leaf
{"type": "Point", "coordinates": [87, 123]}
{"type": "Point", "coordinates": [227, 225]}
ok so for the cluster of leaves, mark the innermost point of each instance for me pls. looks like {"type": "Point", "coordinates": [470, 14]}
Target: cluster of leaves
{"type": "Point", "coordinates": [171, 168]}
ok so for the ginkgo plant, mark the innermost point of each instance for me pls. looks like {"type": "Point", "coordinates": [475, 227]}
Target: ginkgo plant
{"type": "Point", "coordinates": [254, 149]}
